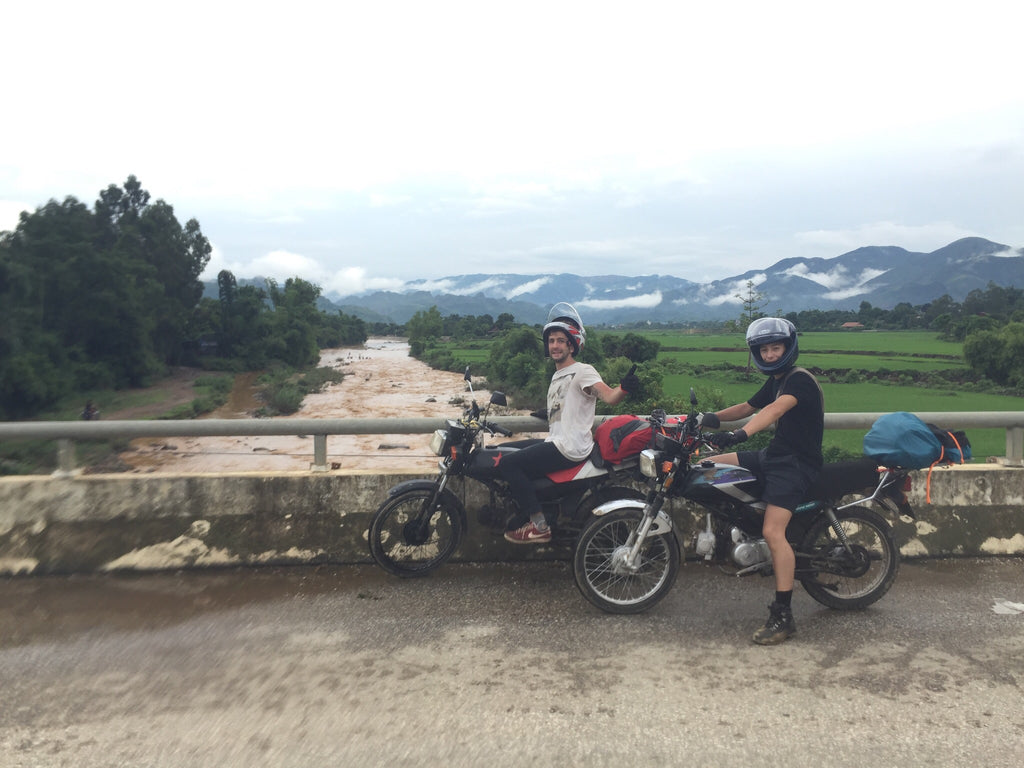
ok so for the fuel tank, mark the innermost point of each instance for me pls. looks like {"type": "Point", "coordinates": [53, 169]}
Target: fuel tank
{"type": "Point", "coordinates": [486, 461]}
{"type": "Point", "coordinates": [710, 481]}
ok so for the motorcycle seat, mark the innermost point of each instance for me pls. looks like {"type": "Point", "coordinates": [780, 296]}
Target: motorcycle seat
{"type": "Point", "coordinates": [843, 477]}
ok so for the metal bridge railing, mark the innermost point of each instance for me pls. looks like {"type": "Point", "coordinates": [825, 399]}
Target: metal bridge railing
{"type": "Point", "coordinates": [64, 433]}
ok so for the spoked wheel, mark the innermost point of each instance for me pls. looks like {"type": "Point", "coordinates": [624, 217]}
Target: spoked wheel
{"type": "Point", "coordinates": [604, 573]}
{"type": "Point", "coordinates": [853, 574]}
{"type": "Point", "coordinates": [407, 539]}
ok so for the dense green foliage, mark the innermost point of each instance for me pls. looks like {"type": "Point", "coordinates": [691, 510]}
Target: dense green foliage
{"type": "Point", "coordinates": [110, 297]}
{"type": "Point", "coordinates": [998, 354]}
{"type": "Point", "coordinates": [512, 357]}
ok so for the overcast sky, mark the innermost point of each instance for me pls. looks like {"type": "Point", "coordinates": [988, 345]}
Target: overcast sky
{"type": "Point", "coordinates": [362, 144]}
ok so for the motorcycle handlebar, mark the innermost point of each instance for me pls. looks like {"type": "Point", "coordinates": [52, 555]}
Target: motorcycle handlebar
{"type": "Point", "coordinates": [500, 430]}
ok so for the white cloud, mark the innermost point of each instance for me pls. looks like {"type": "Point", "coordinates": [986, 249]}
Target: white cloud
{"type": "Point", "coordinates": [640, 302]}
{"type": "Point", "coordinates": [283, 264]}
{"type": "Point", "coordinates": [829, 279]}
{"type": "Point", "coordinates": [435, 141]}
{"type": "Point", "coordinates": [278, 265]}
{"type": "Point", "coordinates": [383, 200]}
{"type": "Point", "coordinates": [528, 287]}
{"type": "Point", "coordinates": [434, 286]}
{"type": "Point", "coordinates": [731, 292]}
{"type": "Point", "coordinates": [354, 280]}
{"type": "Point", "coordinates": [480, 287]}
{"type": "Point", "coordinates": [840, 282]}
{"type": "Point", "coordinates": [855, 287]}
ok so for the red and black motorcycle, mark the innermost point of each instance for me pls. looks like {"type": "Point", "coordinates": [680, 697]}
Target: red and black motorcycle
{"type": "Point", "coordinates": [421, 523]}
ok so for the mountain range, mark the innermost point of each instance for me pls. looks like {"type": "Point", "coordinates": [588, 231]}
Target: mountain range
{"type": "Point", "coordinates": [883, 276]}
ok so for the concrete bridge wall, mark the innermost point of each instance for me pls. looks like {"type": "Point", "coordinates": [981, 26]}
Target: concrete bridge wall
{"type": "Point", "coordinates": [99, 523]}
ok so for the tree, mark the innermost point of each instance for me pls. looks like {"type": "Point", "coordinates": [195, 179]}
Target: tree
{"type": "Point", "coordinates": [424, 327]}
{"type": "Point", "coordinates": [997, 354]}
{"type": "Point", "coordinates": [753, 301]}
{"type": "Point", "coordinates": [295, 322]}
{"type": "Point", "coordinates": [633, 346]}
{"type": "Point", "coordinates": [104, 295]}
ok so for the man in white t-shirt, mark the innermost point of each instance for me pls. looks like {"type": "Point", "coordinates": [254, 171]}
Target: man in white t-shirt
{"type": "Point", "coordinates": [572, 400]}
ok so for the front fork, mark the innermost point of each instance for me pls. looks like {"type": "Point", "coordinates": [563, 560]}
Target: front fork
{"type": "Point", "coordinates": [653, 522]}
{"type": "Point", "coordinates": [421, 524]}
{"type": "Point", "coordinates": [636, 540]}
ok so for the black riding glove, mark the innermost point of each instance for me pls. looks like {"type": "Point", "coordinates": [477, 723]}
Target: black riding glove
{"type": "Point", "coordinates": [708, 421]}
{"type": "Point", "coordinates": [542, 414]}
{"type": "Point", "coordinates": [725, 439]}
{"type": "Point", "coordinates": [630, 384]}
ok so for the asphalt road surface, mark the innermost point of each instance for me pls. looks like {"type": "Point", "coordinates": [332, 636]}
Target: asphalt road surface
{"type": "Point", "coordinates": [504, 665]}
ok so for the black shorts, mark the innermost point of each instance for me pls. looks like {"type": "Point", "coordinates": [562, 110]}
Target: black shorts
{"type": "Point", "coordinates": [786, 479]}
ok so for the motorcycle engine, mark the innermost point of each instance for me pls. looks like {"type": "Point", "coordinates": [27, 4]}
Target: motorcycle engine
{"type": "Point", "coordinates": [747, 551]}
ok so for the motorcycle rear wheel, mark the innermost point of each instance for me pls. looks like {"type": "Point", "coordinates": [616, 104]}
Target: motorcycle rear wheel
{"type": "Point", "coordinates": [404, 544]}
{"type": "Point", "coordinates": [849, 580]}
{"type": "Point", "coordinates": [603, 576]}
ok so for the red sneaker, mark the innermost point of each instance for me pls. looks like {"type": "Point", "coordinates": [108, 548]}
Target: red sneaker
{"type": "Point", "coordinates": [529, 534]}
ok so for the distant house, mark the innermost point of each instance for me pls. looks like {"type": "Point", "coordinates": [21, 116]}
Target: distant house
{"type": "Point", "coordinates": [852, 326]}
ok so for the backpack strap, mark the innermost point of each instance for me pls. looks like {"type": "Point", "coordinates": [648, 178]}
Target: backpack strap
{"type": "Point", "coordinates": [793, 370]}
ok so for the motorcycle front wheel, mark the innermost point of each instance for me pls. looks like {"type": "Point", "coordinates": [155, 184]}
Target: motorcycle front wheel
{"type": "Point", "coordinates": [603, 573]}
{"type": "Point", "coordinates": [409, 539]}
{"type": "Point", "coordinates": [854, 576]}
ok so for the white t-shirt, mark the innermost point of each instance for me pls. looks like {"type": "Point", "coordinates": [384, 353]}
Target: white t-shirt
{"type": "Point", "coordinates": [571, 405]}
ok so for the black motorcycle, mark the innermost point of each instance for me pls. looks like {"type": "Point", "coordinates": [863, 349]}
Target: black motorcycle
{"type": "Point", "coordinates": [421, 523]}
{"type": "Point", "coordinates": [628, 555]}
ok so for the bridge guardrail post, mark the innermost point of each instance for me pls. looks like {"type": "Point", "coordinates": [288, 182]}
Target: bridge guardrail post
{"type": "Point", "coordinates": [1015, 446]}
{"type": "Point", "coordinates": [319, 453]}
{"type": "Point", "coordinates": [65, 458]}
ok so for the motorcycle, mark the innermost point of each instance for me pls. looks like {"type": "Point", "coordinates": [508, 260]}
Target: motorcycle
{"type": "Point", "coordinates": [628, 555]}
{"type": "Point", "coordinates": [421, 523]}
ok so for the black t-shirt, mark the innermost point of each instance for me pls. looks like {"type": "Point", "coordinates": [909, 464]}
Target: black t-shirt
{"type": "Point", "coordinates": [800, 430]}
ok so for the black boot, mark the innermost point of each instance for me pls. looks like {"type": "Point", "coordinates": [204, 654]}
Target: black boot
{"type": "Point", "coordinates": [780, 625]}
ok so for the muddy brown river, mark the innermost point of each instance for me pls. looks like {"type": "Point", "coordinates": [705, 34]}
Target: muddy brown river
{"type": "Point", "coordinates": [381, 381]}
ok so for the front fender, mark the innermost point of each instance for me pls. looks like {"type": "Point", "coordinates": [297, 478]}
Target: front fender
{"type": "Point", "coordinates": [448, 498]}
{"type": "Point", "coordinates": [662, 523]}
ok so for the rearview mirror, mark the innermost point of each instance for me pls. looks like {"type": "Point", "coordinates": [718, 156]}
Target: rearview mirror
{"type": "Point", "coordinates": [498, 398]}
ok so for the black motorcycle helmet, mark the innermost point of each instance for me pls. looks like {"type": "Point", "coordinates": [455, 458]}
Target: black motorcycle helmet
{"type": "Point", "coordinates": [773, 330]}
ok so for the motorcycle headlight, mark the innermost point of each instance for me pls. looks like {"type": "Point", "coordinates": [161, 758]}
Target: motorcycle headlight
{"type": "Point", "coordinates": [439, 442]}
{"type": "Point", "coordinates": [649, 462]}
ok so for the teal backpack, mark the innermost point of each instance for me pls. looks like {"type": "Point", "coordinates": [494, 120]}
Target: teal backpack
{"type": "Point", "coordinates": [902, 439]}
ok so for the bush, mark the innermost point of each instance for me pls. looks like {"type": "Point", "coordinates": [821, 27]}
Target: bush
{"type": "Point", "coordinates": [285, 398]}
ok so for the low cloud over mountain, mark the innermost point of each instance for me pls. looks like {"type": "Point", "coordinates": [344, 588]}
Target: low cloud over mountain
{"type": "Point", "coordinates": [881, 275]}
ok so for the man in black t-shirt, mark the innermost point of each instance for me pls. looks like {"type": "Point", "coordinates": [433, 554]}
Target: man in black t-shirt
{"type": "Point", "coordinates": [792, 399]}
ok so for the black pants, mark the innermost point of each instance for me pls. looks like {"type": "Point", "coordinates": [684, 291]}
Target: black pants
{"type": "Point", "coordinates": [535, 459]}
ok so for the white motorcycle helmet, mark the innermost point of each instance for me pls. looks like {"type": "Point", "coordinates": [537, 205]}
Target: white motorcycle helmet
{"type": "Point", "coordinates": [564, 317]}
